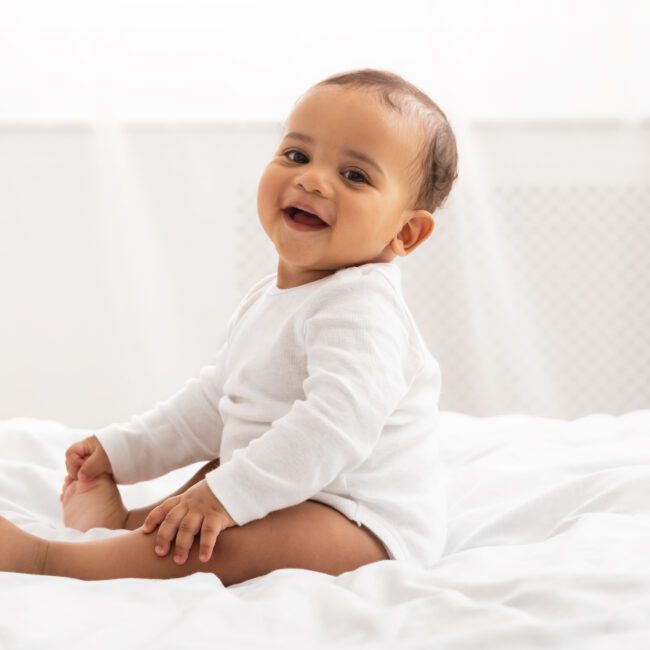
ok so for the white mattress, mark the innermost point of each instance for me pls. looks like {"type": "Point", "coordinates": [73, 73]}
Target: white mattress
{"type": "Point", "coordinates": [549, 546]}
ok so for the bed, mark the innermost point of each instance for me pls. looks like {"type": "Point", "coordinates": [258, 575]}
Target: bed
{"type": "Point", "coordinates": [548, 547]}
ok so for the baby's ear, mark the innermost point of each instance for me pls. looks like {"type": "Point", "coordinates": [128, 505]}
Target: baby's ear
{"type": "Point", "coordinates": [417, 229]}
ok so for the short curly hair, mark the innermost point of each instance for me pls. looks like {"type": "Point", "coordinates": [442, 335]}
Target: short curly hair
{"type": "Point", "coordinates": [436, 165]}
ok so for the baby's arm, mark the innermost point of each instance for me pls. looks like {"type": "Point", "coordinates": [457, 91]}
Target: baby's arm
{"type": "Point", "coordinates": [184, 429]}
{"type": "Point", "coordinates": [360, 365]}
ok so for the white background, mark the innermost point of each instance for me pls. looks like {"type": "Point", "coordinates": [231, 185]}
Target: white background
{"type": "Point", "coordinates": [249, 60]}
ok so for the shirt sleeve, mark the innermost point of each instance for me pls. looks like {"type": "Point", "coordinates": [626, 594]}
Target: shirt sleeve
{"type": "Point", "coordinates": [360, 364]}
{"type": "Point", "coordinates": [184, 429]}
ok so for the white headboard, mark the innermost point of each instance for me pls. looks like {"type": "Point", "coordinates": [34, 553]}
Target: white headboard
{"type": "Point", "coordinates": [125, 249]}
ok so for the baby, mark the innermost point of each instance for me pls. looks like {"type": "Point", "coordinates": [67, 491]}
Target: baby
{"type": "Point", "coordinates": [319, 415]}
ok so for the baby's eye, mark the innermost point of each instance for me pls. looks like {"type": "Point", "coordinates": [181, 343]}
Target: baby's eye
{"type": "Point", "coordinates": [363, 178]}
{"type": "Point", "coordinates": [288, 153]}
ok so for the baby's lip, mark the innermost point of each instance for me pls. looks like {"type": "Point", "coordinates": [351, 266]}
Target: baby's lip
{"type": "Point", "coordinates": [308, 207]}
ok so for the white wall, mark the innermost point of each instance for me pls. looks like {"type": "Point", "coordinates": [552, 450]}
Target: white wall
{"type": "Point", "coordinates": [244, 60]}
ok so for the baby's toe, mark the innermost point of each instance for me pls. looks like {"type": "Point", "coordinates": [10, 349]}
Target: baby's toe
{"type": "Point", "coordinates": [69, 488]}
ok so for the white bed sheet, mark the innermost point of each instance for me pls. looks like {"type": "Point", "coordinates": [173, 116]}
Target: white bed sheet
{"type": "Point", "coordinates": [549, 547]}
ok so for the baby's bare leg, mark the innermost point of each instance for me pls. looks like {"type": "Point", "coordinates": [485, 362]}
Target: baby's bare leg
{"type": "Point", "coordinates": [136, 517]}
{"type": "Point", "coordinates": [309, 535]}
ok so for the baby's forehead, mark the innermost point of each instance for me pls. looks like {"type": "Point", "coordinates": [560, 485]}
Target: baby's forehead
{"type": "Point", "coordinates": [373, 100]}
{"type": "Point", "coordinates": [403, 123]}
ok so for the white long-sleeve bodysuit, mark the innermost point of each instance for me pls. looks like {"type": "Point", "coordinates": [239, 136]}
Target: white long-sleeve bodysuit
{"type": "Point", "coordinates": [324, 391]}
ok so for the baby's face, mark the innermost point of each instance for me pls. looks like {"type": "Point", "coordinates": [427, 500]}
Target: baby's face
{"type": "Point", "coordinates": [363, 204]}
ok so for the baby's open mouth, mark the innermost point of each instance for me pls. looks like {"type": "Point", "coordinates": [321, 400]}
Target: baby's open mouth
{"type": "Point", "coordinates": [305, 218]}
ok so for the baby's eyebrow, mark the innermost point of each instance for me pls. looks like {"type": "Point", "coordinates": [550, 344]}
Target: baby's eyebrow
{"type": "Point", "coordinates": [348, 152]}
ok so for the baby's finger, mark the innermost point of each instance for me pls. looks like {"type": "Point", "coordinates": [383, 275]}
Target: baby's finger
{"type": "Point", "coordinates": [156, 516]}
{"type": "Point", "coordinates": [167, 530]}
{"type": "Point", "coordinates": [158, 513]}
{"type": "Point", "coordinates": [187, 530]}
{"type": "Point", "coordinates": [209, 533]}
{"type": "Point", "coordinates": [73, 462]}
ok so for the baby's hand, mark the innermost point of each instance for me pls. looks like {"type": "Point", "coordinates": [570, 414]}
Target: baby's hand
{"type": "Point", "coordinates": [196, 509]}
{"type": "Point", "coordinates": [87, 459]}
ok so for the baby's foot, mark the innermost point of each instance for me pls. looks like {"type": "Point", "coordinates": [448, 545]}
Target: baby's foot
{"type": "Point", "coordinates": [21, 552]}
{"type": "Point", "coordinates": [93, 504]}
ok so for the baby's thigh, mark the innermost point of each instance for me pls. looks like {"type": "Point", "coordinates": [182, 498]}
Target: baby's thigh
{"type": "Point", "coordinates": [309, 535]}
